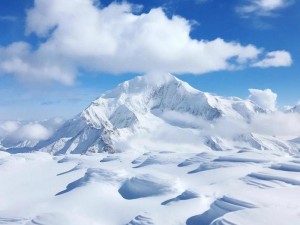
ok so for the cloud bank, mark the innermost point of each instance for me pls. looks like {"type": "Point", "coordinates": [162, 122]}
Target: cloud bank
{"type": "Point", "coordinates": [275, 122]}
{"type": "Point", "coordinates": [80, 36]}
{"type": "Point", "coordinates": [14, 133]}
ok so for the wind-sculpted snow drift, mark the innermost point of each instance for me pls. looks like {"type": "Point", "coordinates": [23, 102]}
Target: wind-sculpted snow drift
{"type": "Point", "coordinates": [142, 108]}
{"type": "Point", "coordinates": [219, 208]}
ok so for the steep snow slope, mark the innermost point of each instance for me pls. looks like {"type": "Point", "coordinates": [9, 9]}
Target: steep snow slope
{"type": "Point", "coordinates": [143, 107]}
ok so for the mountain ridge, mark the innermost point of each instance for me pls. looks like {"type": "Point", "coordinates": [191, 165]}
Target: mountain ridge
{"type": "Point", "coordinates": [134, 105]}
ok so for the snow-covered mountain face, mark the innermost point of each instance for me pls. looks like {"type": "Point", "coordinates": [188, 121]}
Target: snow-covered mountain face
{"type": "Point", "coordinates": [139, 111]}
{"type": "Point", "coordinates": [295, 109]}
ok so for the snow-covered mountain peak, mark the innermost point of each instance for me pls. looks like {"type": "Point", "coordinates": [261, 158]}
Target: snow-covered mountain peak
{"type": "Point", "coordinates": [144, 106]}
{"type": "Point", "coordinates": [147, 84]}
{"type": "Point", "coordinates": [144, 94]}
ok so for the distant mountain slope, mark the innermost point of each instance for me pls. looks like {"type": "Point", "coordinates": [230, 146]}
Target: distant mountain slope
{"type": "Point", "coordinates": [144, 105]}
{"type": "Point", "coordinates": [295, 109]}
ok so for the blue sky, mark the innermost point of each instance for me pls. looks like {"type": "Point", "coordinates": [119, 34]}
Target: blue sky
{"type": "Point", "coordinates": [32, 91]}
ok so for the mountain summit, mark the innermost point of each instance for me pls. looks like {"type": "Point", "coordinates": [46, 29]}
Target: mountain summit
{"type": "Point", "coordinates": [145, 105]}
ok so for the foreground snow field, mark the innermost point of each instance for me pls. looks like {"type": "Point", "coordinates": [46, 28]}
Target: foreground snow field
{"type": "Point", "coordinates": [160, 186]}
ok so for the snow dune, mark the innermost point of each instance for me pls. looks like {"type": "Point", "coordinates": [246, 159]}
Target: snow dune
{"type": "Point", "coordinates": [144, 186]}
{"type": "Point", "coordinates": [92, 175]}
{"type": "Point", "coordinates": [198, 158]}
{"type": "Point", "coordinates": [274, 178]}
{"type": "Point", "coordinates": [291, 167]}
{"type": "Point", "coordinates": [238, 188]}
{"type": "Point", "coordinates": [217, 209]}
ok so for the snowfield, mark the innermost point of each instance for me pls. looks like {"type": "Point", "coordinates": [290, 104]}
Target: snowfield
{"type": "Point", "coordinates": [160, 153]}
{"type": "Point", "coordinates": [157, 187]}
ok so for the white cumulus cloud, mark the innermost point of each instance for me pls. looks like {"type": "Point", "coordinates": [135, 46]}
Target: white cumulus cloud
{"type": "Point", "coordinates": [275, 59]}
{"type": "Point", "coordinates": [263, 98]}
{"type": "Point", "coordinates": [32, 131]}
{"type": "Point", "coordinates": [76, 35]}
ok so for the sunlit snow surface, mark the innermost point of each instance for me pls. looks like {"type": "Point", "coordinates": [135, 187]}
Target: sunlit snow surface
{"type": "Point", "coordinates": [162, 187]}
{"type": "Point", "coordinates": [181, 157]}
